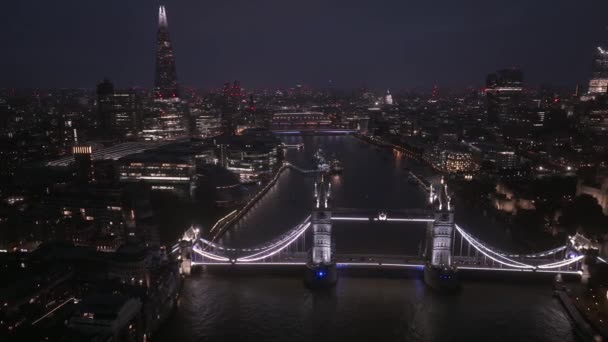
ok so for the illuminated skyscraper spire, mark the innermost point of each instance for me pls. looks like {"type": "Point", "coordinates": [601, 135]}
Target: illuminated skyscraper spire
{"type": "Point", "coordinates": [162, 16]}
{"type": "Point", "coordinates": [165, 84]}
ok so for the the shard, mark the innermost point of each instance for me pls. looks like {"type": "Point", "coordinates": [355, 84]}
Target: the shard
{"type": "Point", "coordinates": [165, 84]}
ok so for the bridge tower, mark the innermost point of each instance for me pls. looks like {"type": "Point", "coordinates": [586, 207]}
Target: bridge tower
{"type": "Point", "coordinates": [321, 269]}
{"type": "Point", "coordinates": [438, 271]}
{"type": "Point", "coordinates": [185, 250]}
{"type": "Point", "coordinates": [590, 249]}
{"type": "Point", "coordinates": [442, 233]}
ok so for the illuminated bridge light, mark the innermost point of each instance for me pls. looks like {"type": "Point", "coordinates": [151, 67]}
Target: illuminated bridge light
{"type": "Point", "coordinates": [515, 270]}
{"type": "Point", "coordinates": [410, 219]}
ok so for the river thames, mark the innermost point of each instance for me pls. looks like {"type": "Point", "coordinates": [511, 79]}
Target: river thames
{"type": "Point", "coordinates": [280, 308]}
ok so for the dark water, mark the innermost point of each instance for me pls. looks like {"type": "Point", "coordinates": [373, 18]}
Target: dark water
{"type": "Point", "coordinates": [273, 308]}
{"type": "Point", "coordinates": [220, 308]}
{"type": "Point", "coordinates": [371, 179]}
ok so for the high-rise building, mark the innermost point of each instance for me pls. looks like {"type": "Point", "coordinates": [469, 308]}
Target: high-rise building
{"type": "Point", "coordinates": [231, 107]}
{"type": "Point", "coordinates": [83, 163]}
{"type": "Point", "coordinates": [503, 95]}
{"type": "Point", "coordinates": [127, 114]}
{"type": "Point", "coordinates": [105, 89]}
{"type": "Point", "coordinates": [118, 112]}
{"type": "Point", "coordinates": [166, 119]}
{"type": "Point", "coordinates": [165, 84]}
{"type": "Point", "coordinates": [388, 98]}
{"type": "Point", "coordinates": [599, 77]}
{"type": "Point", "coordinates": [236, 91]}
{"type": "Point", "coordinates": [227, 90]}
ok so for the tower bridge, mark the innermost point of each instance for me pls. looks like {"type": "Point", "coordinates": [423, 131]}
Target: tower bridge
{"type": "Point", "coordinates": [448, 247]}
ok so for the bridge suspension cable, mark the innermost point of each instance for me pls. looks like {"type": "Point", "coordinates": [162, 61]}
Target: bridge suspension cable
{"type": "Point", "coordinates": [281, 239]}
{"type": "Point", "coordinates": [212, 256]}
{"type": "Point", "coordinates": [261, 247]}
{"type": "Point", "coordinates": [504, 260]}
{"type": "Point", "coordinates": [562, 262]}
{"type": "Point", "coordinates": [284, 242]}
{"type": "Point", "coordinates": [257, 256]}
{"type": "Point", "coordinates": [489, 253]}
{"type": "Point", "coordinates": [263, 251]}
{"type": "Point", "coordinates": [536, 255]}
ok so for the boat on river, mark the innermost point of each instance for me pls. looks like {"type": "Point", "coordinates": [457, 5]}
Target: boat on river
{"type": "Point", "coordinates": [321, 161]}
{"type": "Point", "coordinates": [335, 166]}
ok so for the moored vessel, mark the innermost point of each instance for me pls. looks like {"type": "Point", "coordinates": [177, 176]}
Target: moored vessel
{"type": "Point", "coordinates": [321, 161]}
{"type": "Point", "coordinates": [336, 166]}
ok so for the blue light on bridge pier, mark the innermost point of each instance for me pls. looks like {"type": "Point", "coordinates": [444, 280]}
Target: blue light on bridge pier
{"type": "Point", "coordinates": [321, 274]}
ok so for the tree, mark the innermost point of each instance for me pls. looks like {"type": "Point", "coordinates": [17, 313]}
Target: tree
{"type": "Point", "coordinates": [585, 213]}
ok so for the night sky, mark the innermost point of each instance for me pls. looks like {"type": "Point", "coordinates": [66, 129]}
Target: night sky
{"type": "Point", "coordinates": [375, 43]}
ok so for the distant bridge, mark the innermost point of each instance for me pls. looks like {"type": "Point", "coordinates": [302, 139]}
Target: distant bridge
{"type": "Point", "coordinates": [314, 131]}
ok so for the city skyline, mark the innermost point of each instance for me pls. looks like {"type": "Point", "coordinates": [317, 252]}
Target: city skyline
{"type": "Point", "coordinates": [263, 170]}
{"type": "Point", "coordinates": [278, 45]}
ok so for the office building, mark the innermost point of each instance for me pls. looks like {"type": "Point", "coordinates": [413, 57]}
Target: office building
{"type": "Point", "coordinates": [300, 119]}
{"type": "Point", "coordinates": [599, 77]}
{"type": "Point", "coordinates": [119, 114]}
{"type": "Point", "coordinates": [504, 95]}
{"type": "Point", "coordinates": [107, 317]}
{"type": "Point", "coordinates": [208, 123]}
{"type": "Point", "coordinates": [251, 156]}
{"type": "Point", "coordinates": [83, 163]}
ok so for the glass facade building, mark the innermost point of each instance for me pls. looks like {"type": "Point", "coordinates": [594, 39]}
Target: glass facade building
{"type": "Point", "coordinates": [599, 77]}
{"type": "Point", "coordinates": [503, 95]}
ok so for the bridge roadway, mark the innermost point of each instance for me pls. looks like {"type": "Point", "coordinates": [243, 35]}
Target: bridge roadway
{"type": "Point", "coordinates": [394, 215]}
{"type": "Point", "coordinates": [384, 261]}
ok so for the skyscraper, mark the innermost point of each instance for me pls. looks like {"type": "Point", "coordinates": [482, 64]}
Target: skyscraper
{"type": "Point", "coordinates": [118, 112]}
{"type": "Point", "coordinates": [166, 119]}
{"type": "Point", "coordinates": [503, 95]}
{"type": "Point", "coordinates": [599, 77]}
{"type": "Point", "coordinates": [127, 114]}
{"type": "Point", "coordinates": [388, 98]}
{"type": "Point", "coordinates": [165, 84]}
{"type": "Point", "coordinates": [231, 102]}
{"type": "Point", "coordinates": [105, 90]}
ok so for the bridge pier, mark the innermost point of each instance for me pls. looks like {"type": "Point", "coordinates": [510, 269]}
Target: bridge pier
{"type": "Point", "coordinates": [321, 276]}
{"type": "Point", "coordinates": [321, 270]}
